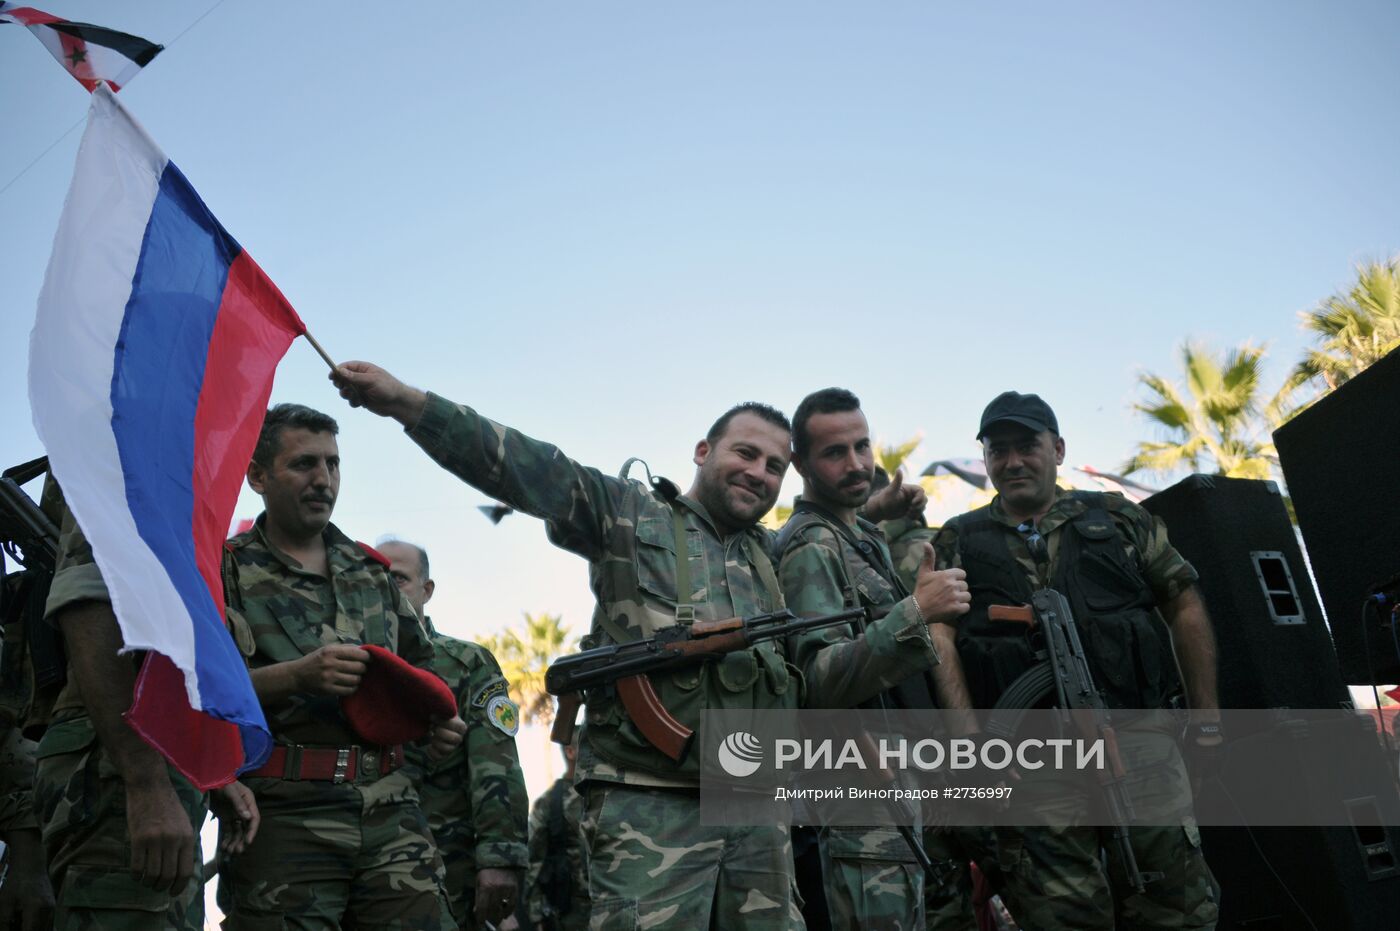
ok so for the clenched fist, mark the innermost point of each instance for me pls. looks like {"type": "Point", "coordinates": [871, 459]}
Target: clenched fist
{"type": "Point", "coordinates": [334, 669]}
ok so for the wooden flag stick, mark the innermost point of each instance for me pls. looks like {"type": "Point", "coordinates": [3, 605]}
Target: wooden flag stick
{"type": "Point", "coordinates": [322, 352]}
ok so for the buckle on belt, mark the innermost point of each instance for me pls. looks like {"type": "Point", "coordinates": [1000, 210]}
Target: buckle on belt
{"type": "Point", "coordinates": [342, 764]}
{"type": "Point", "coordinates": [291, 763]}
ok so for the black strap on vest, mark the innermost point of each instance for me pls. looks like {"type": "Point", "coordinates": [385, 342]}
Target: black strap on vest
{"type": "Point", "coordinates": [918, 690]}
{"type": "Point", "coordinates": [1089, 558]}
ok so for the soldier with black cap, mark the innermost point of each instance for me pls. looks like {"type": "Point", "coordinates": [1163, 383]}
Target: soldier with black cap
{"type": "Point", "coordinates": [1123, 579]}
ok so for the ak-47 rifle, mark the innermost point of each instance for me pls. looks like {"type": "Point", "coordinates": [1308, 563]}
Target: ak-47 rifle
{"type": "Point", "coordinates": [626, 666]}
{"type": "Point", "coordinates": [29, 538]}
{"type": "Point", "coordinates": [1065, 669]}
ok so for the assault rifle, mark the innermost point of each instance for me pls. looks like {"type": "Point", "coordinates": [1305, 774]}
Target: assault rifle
{"type": "Point", "coordinates": [626, 666]}
{"type": "Point", "coordinates": [28, 537]}
{"type": "Point", "coordinates": [1065, 670]}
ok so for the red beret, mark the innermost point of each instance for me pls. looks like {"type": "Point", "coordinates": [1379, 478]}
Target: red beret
{"type": "Point", "coordinates": [395, 700]}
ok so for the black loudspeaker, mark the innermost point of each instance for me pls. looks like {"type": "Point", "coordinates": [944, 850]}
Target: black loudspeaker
{"type": "Point", "coordinates": [1275, 652]}
{"type": "Point", "coordinates": [1273, 645]}
{"type": "Point", "coordinates": [1305, 878]}
{"type": "Point", "coordinates": [1341, 458]}
{"type": "Point", "coordinates": [1340, 876]}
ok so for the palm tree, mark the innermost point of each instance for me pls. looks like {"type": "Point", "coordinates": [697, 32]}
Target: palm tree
{"type": "Point", "coordinates": [775, 518]}
{"type": "Point", "coordinates": [890, 458]}
{"type": "Point", "coordinates": [1217, 423]}
{"type": "Point", "coordinates": [524, 656]}
{"type": "Point", "coordinates": [1354, 328]}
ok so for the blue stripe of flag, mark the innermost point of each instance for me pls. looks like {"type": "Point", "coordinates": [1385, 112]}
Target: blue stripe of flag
{"type": "Point", "coordinates": [156, 383]}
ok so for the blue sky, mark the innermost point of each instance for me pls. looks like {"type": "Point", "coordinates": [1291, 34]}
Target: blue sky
{"type": "Point", "coordinates": [604, 223]}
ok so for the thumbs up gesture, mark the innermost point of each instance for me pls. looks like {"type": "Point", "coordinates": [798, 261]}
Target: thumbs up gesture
{"type": "Point", "coordinates": [896, 500]}
{"type": "Point", "coordinates": [941, 596]}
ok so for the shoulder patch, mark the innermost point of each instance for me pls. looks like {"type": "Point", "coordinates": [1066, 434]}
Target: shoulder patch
{"type": "Point", "coordinates": [489, 691]}
{"type": "Point", "coordinates": [503, 715]}
{"type": "Point", "coordinates": [374, 554]}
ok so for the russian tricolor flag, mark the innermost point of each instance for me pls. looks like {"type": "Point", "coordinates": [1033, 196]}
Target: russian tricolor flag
{"type": "Point", "coordinates": [150, 366]}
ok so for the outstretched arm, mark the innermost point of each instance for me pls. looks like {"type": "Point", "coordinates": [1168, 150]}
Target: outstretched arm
{"type": "Point", "coordinates": [529, 475]}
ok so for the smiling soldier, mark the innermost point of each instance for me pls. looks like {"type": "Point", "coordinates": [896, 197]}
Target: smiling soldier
{"type": "Point", "coordinates": [657, 558]}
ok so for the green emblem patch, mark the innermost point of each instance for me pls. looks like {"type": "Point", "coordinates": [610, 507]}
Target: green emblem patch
{"type": "Point", "coordinates": [501, 711]}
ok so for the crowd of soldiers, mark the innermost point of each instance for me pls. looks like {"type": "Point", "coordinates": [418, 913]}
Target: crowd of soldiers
{"type": "Point", "coordinates": [334, 831]}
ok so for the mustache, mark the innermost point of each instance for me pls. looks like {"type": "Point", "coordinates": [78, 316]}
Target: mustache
{"type": "Point", "coordinates": [323, 499]}
{"type": "Point", "coordinates": [855, 478]}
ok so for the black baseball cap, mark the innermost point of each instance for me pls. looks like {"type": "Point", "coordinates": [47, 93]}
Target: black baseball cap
{"type": "Point", "coordinates": [1028, 410]}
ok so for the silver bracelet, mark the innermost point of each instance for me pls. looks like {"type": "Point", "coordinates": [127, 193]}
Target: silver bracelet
{"type": "Point", "coordinates": [917, 610]}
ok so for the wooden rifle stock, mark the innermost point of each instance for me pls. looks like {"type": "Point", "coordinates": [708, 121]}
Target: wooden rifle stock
{"type": "Point", "coordinates": [1025, 614]}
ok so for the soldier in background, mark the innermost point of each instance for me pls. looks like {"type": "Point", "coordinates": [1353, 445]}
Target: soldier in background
{"type": "Point", "coordinates": [343, 840]}
{"type": "Point", "coordinates": [475, 797]}
{"type": "Point", "coordinates": [657, 558]}
{"type": "Point", "coordinates": [26, 896]}
{"type": "Point", "coordinates": [557, 888]}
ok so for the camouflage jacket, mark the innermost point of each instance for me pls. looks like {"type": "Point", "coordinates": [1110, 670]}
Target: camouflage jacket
{"type": "Point", "coordinates": [822, 573]}
{"type": "Point", "coordinates": [558, 872]}
{"type": "Point", "coordinates": [1144, 539]}
{"type": "Point", "coordinates": [16, 782]}
{"type": "Point", "coordinates": [280, 612]}
{"type": "Point", "coordinates": [626, 532]}
{"type": "Point", "coordinates": [475, 797]}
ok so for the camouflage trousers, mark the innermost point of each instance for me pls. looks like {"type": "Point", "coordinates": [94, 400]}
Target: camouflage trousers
{"type": "Point", "coordinates": [653, 865]}
{"type": "Point", "coordinates": [81, 805]}
{"type": "Point", "coordinates": [1074, 878]}
{"type": "Point", "coordinates": [871, 879]}
{"type": "Point", "coordinates": [326, 855]}
{"type": "Point", "coordinates": [948, 906]}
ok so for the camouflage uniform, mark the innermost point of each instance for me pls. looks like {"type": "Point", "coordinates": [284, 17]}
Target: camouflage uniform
{"type": "Point", "coordinates": [1053, 878]}
{"type": "Point", "coordinates": [16, 782]}
{"type": "Point", "coordinates": [81, 800]}
{"type": "Point", "coordinates": [474, 798]}
{"type": "Point", "coordinates": [947, 905]}
{"type": "Point", "coordinates": [557, 888]}
{"type": "Point", "coordinates": [360, 850]}
{"type": "Point", "coordinates": [16, 753]}
{"type": "Point", "coordinates": [650, 859]}
{"type": "Point", "coordinates": [871, 877]}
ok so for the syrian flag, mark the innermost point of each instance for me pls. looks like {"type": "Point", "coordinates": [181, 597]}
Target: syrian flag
{"type": "Point", "coordinates": [90, 53]}
{"type": "Point", "coordinates": [150, 367]}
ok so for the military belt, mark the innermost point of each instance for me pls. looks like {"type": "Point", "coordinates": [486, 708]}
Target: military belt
{"type": "Point", "coordinates": [330, 764]}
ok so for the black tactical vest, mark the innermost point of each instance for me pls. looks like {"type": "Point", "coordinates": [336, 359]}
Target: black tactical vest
{"type": "Point", "coordinates": [871, 582]}
{"type": "Point", "coordinates": [1128, 646]}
